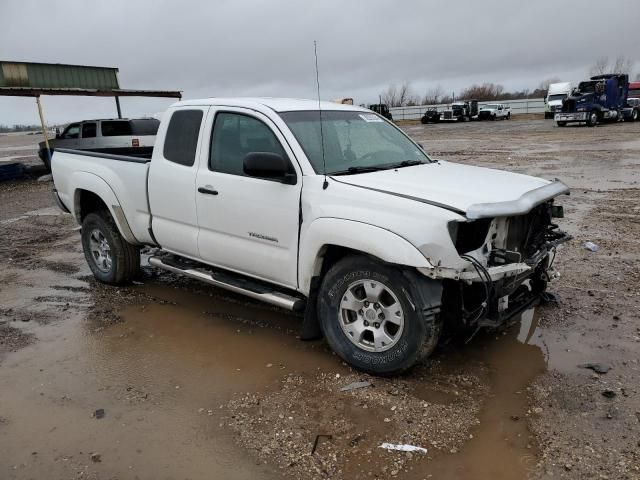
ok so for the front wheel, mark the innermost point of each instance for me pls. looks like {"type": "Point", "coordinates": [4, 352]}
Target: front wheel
{"type": "Point", "coordinates": [379, 318]}
{"type": "Point", "coordinates": [592, 121]}
{"type": "Point", "coordinates": [562, 124]}
{"type": "Point", "coordinates": [634, 116]}
{"type": "Point", "coordinates": [110, 257]}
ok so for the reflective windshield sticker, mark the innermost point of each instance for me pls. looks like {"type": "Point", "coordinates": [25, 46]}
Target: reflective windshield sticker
{"type": "Point", "coordinates": [370, 117]}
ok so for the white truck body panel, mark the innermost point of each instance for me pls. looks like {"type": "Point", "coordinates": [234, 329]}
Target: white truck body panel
{"type": "Point", "coordinates": [121, 185]}
{"type": "Point", "coordinates": [562, 88]}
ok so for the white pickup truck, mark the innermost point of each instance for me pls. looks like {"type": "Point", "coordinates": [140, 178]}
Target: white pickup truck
{"type": "Point", "coordinates": [328, 209]}
{"type": "Point", "coordinates": [494, 111]}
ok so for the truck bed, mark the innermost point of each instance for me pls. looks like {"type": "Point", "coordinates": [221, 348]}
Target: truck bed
{"type": "Point", "coordinates": [122, 179]}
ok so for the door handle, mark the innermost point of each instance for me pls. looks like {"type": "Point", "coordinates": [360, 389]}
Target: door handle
{"type": "Point", "coordinates": [207, 191]}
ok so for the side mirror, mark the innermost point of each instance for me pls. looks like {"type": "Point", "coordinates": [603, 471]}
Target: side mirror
{"type": "Point", "coordinates": [267, 165]}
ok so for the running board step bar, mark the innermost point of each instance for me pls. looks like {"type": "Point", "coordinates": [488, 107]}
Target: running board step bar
{"type": "Point", "coordinates": [232, 282]}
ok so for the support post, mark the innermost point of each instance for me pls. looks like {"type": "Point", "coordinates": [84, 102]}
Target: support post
{"type": "Point", "coordinates": [44, 132]}
{"type": "Point", "coordinates": [118, 106]}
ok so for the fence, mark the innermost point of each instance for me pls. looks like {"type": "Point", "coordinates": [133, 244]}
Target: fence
{"type": "Point", "coordinates": [528, 105]}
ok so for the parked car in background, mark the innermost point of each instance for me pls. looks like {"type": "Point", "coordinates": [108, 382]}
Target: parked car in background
{"type": "Point", "coordinates": [120, 136]}
{"type": "Point", "coordinates": [380, 245]}
{"type": "Point", "coordinates": [382, 109]}
{"type": "Point", "coordinates": [494, 111]}
{"type": "Point", "coordinates": [634, 104]}
{"type": "Point", "coordinates": [555, 94]}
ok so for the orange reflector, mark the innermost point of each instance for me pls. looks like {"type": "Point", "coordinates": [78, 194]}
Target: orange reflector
{"type": "Point", "coordinates": [135, 142]}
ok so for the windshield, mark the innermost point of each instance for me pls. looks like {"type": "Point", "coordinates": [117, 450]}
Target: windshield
{"type": "Point", "coordinates": [491, 106]}
{"type": "Point", "coordinates": [352, 140]}
{"type": "Point", "coordinates": [587, 87]}
{"type": "Point", "coordinates": [558, 96]}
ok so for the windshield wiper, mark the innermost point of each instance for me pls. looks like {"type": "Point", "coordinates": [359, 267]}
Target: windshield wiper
{"type": "Point", "coordinates": [365, 169]}
{"type": "Point", "coordinates": [406, 163]}
{"type": "Point", "coordinates": [376, 168]}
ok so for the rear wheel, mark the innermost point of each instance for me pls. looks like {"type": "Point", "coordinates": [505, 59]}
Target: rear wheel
{"type": "Point", "coordinates": [378, 318]}
{"type": "Point", "coordinates": [110, 257]}
{"type": "Point", "coordinates": [592, 119]}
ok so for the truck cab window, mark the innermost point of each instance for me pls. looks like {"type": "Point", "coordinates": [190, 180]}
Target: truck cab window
{"type": "Point", "coordinates": [72, 131]}
{"type": "Point", "coordinates": [89, 130]}
{"type": "Point", "coordinates": [234, 136]}
{"type": "Point", "coordinates": [181, 139]}
{"type": "Point", "coordinates": [115, 128]}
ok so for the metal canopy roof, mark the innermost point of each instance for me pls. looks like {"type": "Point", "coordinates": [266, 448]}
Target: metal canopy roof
{"type": "Point", "coordinates": [90, 92]}
{"type": "Point", "coordinates": [30, 79]}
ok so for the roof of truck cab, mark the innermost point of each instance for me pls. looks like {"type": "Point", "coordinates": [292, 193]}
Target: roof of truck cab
{"type": "Point", "coordinates": [276, 104]}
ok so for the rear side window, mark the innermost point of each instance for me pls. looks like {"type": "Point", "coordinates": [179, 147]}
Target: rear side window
{"type": "Point", "coordinates": [181, 139]}
{"type": "Point", "coordinates": [88, 130]}
{"type": "Point", "coordinates": [115, 128]}
{"type": "Point", "coordinates": [147, 126]}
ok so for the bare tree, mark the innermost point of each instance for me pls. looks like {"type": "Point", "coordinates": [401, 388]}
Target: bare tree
{"type": "Point", "coordinates": [486, 91]}
{"type": "Point", "coordinates": [602, 65]}
{"type": "Point", "coordinates": [544, 85]}
{"type": "Point", "coordinates": [401, 96]}
{"type": "Point", "coordinates": [622, 65]}
{"type": "Point", "coordinates": [433, 96]}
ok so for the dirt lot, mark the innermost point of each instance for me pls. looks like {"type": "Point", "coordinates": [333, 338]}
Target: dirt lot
{"type": "Point", "coordinates": [167, 378]}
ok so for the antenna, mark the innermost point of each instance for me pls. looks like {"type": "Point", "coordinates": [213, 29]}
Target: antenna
{"type": "Point", "coordinates": [325, 184]}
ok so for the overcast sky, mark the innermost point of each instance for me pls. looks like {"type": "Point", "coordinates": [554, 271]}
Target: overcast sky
{"type": "Point", "coordinates": [265, 48]}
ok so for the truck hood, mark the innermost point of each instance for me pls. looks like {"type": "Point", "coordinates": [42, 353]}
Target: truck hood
{"type": "Point", "coordinates": [467, 190]}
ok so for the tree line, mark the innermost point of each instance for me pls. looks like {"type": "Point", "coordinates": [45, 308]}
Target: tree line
{"type": "Point", "coordinates": [403, 95]}
{"type": "Point", "coordinates": [18, 128]}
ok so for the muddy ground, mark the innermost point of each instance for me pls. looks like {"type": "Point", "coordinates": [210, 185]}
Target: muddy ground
{"type": "Point", "coordinates": [171, 379]}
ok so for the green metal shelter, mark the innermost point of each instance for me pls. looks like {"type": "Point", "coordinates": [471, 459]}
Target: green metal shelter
{"type": "Point", "coordinates": [30, 79]}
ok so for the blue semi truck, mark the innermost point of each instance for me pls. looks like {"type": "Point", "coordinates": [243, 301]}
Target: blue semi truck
{"type": "Point", "coordinates": [603, 98]}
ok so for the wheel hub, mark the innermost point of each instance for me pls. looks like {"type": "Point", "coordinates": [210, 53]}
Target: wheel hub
{"type": "Point", "coordinates": [371, 315]}
{"type": "Point", "coordinates": [100, 250]}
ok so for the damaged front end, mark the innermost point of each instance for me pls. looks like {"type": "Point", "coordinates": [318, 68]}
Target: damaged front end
{"type": "Point", "coordinates": [507, 266]}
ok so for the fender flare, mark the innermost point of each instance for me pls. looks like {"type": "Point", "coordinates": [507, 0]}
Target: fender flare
{"type": "Point", "coordinates": [97, 185]}
{"type": "Point", "coordinates": [355, 235]}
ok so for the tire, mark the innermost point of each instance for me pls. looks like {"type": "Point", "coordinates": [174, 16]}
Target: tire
{"type": "Point", "coordinates": [592, 121]}
{"type": "Point", "coordinates": [509, 116]}
{"type": "Point", "coordinates": [562, 124]}
{"type": "Point", "coordinates": [110, 257]}
{"type": "Point", "coordinates": [424, 120]}
{"type": "Point", "coordinates": [634, 116]}
{"type": "Point", "coordinates": [358, 335]}
{"type": "Point", "coordinates": [492, 117]}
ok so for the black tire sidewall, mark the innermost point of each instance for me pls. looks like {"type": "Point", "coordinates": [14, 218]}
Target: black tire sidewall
{"type": "Point", "coordinates": [97, 221]}
{"type": "Point", "coordinates": [405, 352]}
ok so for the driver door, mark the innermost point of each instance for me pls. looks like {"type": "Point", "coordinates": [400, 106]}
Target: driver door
{"type": "Point", "coordinates": [247, 224]}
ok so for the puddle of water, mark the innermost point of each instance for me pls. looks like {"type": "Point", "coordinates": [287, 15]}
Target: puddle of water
{"type": "Point", "coordinates": [161, 377]}
{"type": "Point", "coordinates": [502, 447]}
{"type": "Point", "coordinates": [163, 374]}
